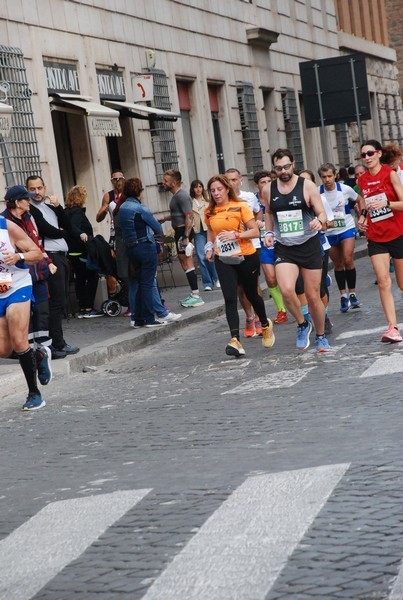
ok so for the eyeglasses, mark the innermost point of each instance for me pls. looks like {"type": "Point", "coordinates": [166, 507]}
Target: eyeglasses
{"type": "Point", "coordinates": [279, 169]}
{"type": "Point", "coordinates": [118, 179]}
{"type": "Point", "coordinates": [369, 153]}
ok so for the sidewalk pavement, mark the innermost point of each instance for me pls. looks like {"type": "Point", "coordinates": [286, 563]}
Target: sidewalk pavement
{"type": "Point", "coordinates": [106, 338]}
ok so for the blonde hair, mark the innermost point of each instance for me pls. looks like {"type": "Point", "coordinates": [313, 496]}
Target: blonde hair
{"type": "Point", "coordinates": [77, 196]}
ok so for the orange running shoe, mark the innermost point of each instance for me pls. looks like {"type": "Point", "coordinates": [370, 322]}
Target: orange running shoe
{"type": "Point", "coordinates": [281, 317]}
{"type": "Point", "coordinates": [258, 327]}
{"type": "Point", "coordinates": [249, 329]}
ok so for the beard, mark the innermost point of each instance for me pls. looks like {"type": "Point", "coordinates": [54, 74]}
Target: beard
{"type": "Point", "coordinates": [285, 177]}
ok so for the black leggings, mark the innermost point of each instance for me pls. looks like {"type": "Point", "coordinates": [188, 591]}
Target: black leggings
{"type": "Point", "coordinates": [247, 275]}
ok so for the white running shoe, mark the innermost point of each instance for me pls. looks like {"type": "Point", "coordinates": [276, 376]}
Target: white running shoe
{"type": "Point", "coordinates": [171, 317]}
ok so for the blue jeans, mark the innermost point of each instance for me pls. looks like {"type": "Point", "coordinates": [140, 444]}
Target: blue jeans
{"type": "Point", "coordinates": [143, 259]}
{"type": "Point", "coordinates": [158, 308]}
{"type": "Point", "coordinates": [207, 269]}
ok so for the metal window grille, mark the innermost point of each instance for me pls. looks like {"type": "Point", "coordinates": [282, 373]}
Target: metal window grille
{"type": "Point", "coordinates": [19, 150]}
{"type": "Point", "coordinates": [343, 150]}
{"type": "Point", "coordinates": [398, 113]}
{"type": "Point", "coordinates": [250, 129]}
{"type": "Point", "coordinates": [162, 132]}
{"type": "Point", "coordinates": [388, 119]}
{"type": "Point", "coordinates": [291, 125]}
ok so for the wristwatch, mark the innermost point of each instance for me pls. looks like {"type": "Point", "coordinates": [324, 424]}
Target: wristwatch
{"type": "Point", "coordinates": [22, 257]}
{"type": "Point", "coordinates": [387, 204]}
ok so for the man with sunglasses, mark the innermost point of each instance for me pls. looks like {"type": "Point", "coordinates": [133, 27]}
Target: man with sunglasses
{"type": "Point", "coordinates": [342, 198]}
{"type": "Point", "coordinates": [294, 216]}
{"type": "Point", "coordinates": [110, 200]}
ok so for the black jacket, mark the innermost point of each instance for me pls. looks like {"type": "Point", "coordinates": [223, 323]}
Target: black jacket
{"type": "Point", "coordinates": [45, 229]}
{"type": "Point", "coordinates": [78, 224]}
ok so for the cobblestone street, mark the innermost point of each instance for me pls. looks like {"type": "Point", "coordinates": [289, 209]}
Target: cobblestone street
{"type": "Point", "coordinates": [274, 476]}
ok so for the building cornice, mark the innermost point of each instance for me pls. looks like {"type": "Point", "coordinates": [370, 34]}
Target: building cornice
{"type": "Point", "coordinates": [350, 42]}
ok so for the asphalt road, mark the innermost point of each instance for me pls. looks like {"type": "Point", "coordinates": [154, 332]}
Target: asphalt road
{"type": "Point", "coordinates": [177, 472]}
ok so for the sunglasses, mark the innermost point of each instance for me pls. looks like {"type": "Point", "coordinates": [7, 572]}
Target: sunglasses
{"type": "Point", "coordinates": [118, 179]}
{"type": "Point", "coordinates": [279, 169]}
{"type": "Point", "coordinates": [369, 153]}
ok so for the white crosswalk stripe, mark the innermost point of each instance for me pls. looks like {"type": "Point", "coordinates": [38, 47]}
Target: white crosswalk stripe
{"type": "Point", "coordinates": [361, 332]}
{"type": "Point", "coordinates": [281, 379]}
{"type": "Point", "coordinates": [386, 365]}
{"type": "Point", "coordinates": [397, 588]}
{"type": "Point", "coordinates": [35, 552]}
{"type": "Point", "coordinates": [242, 548]}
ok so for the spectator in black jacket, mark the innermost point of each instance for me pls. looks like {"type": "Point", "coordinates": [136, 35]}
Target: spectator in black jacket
{"type": "Point", "coordinates": [80, 233]}
{"type": "Point", "coordinates": [53, 226]}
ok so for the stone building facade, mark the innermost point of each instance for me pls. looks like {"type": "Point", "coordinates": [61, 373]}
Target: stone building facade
{"type": "Point", "coordinates": [394, 15]}
{"type": "Point", "coordinates": [197, 85]}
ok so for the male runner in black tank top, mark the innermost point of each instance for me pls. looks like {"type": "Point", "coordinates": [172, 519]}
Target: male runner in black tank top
{"type": "Point", "coordinates": [295, 215]}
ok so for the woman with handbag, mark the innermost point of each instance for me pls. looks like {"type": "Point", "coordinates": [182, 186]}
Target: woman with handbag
{"type": "Point", "coordinates": [230, 229]}
{"type": "Point", "coordinates": [80, 232]}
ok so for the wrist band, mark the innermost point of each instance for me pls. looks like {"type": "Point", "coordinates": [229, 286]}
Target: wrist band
{"type": "Point", "coordinates": [208, 246]}
{"type": "Point", "coordinates": [236, 235]}
{"type": "Point", "coordinates": [364, 213]}
{"type": "Point", "coordinates": [269, 233]}
{"type": "Point", "coordinates": [317, 218]}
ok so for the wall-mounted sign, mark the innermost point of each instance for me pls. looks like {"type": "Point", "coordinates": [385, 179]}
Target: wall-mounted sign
{"type": "Point", "coordinates": [61, 78]}
{"type": "Point", "coordinates": [143, 88]}
{"type": "Point", "coordinates": [5, 118]}
{"type": "Point", "coordinates": [111, 85]}
{"type": "Point", "coordinates": [104, 126]}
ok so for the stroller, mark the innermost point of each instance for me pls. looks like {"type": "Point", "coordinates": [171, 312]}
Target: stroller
{"type": "Point", "coordinates": [101, 258]}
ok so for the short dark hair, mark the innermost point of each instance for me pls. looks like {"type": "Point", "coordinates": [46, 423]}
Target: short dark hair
{"type": "Point", "coordinates": [260, 174]}
{"type": "Point", "coordinates": [281, 153]}
{"type": "Point", "coordinates": [32, 178]}
{"type": "Point", "coordinates": [133, 188]}
{"type": "Point", "coordinates": [232, 170]}
{"type": "Point", "coordinates": [350, 170]}
{"type": "Point", "coordinates": [377, 145]}
{"type": "Point", "coordinates": [326, 167]}
{"type": "Point", "coordinates": [176, 175]}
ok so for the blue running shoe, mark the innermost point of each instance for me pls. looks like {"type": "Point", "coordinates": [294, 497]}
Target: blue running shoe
{"type": "Point", "coordinates": [43, 356]}
{"type": "Point", "coordinates": [344, 304]}
{"type": "Point", "coordinates": [322, 345]}
{"type": "Point", "coordinates": [328, 280]}
{"type": "Point", "coordinates": [354, 302]}
{"type": "Point", "coordinates": [34, 401]}
{"type": "Point", "coordinates": [303, 336]}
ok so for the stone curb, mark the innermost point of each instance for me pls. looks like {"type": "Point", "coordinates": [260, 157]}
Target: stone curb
{"type": "Point", "coordinates": [112, 348]}
{"type": "Point", "coordinates": [120, 345]}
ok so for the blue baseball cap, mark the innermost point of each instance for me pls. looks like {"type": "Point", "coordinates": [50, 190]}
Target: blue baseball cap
{"type": "Point", "coordinates": [17, 192]}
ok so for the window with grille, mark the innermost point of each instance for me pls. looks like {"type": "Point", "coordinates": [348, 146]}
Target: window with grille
{"type": "Point", "coordinates": [249, 127]}
{"type": "Point", "coordinates": [291, 126]}
{"type": "Point", "coordinates": [19, 150]}
{"type": "Point", "coordinates": [162, 132]}
{"type": "Point", "coordinates": [342, 141]}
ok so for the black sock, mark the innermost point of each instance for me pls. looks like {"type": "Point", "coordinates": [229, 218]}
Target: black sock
{"type": "Point", "coordinates": [351, 277]}
{"type": "Point", "coordinates": [28, 366]}
{"type": "Point", "coordinates": [340, 279]}
{"type": "Point", "coordinates": [192, 279]}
